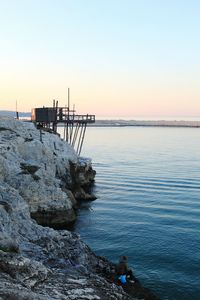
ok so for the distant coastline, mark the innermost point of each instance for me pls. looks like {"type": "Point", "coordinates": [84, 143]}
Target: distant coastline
{"type": "Point", "coordinates": [12, 113]}
{"type": "Point", "coordinates": [122, 122]}
{"type": "Point", "coordinates": [147, 123]}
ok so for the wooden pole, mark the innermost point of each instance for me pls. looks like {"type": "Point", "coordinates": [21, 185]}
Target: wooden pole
{"type": "Point", "coordinates": [75, 134]}
{"type": "Point", "coordinates": [82, 139]}
{"type": "Point", "coordinates": [56, 115]}
{"type": "Point", "coordinates": [79, 139]}
{"type": "Point", "coordinates": [68, 98]}
{"type": "Point", "coordinates": [53, 125]}
{"type": "Point", "coordinates": [68, 107]}
{"type": "Point", "coordinates": [17, 114]}
{"type": "Point", "coordinates": [72, 127]}
{"type": "Point", "coordinates": [65, 136]}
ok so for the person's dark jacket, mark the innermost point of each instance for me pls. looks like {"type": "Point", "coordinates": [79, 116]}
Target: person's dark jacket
{"type": "Point", "coordinates": [121, 268]}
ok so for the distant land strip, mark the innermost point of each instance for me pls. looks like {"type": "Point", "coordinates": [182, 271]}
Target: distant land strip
{"type": "Point", "coordinates": [158, 123]}
{"type": "Point", "coordinates": [120, 122]}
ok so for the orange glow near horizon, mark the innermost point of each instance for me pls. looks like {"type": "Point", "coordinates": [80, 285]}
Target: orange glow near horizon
{"type": "Point", "coordinates": [107, 100]}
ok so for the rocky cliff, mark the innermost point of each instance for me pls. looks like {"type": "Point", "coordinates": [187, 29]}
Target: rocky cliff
{"type": "Point", "coordinates": [44, 170]}
{"type": "Point", "coordinates": [41, 179]}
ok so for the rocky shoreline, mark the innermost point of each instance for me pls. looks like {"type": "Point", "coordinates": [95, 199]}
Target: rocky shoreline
{"type": "Point", "coordinates": [41, 182]}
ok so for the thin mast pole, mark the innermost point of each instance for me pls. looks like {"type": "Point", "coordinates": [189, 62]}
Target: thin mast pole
{"type": "Point", "coordinates": [68, 104]}
{"type": "Point", "coordinates": [68, 98]}
{"type": "Point", "coordinates": [17, 114]}
{"type": "Point", "coordinates": [72, 126]}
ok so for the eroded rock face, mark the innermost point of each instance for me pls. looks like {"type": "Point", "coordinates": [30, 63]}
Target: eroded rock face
{"type": "Point", "coordinates": [39, 166]}
{"type": "Point", "coordinates": [82, 176]}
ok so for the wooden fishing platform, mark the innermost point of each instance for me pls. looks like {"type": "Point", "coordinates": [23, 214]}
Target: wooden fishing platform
{"type": "Point", "coordinates": [49, 118]}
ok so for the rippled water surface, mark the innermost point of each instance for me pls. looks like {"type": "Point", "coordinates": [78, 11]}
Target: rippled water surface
{"type": "Point", "coordinates": [148, 206]}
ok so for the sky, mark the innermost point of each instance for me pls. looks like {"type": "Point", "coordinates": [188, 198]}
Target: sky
{"type": "Point", "coordinates": [130, 58]}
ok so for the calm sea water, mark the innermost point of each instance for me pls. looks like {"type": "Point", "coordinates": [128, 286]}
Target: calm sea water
{"type": "Point", "coordinates": [148, 206]}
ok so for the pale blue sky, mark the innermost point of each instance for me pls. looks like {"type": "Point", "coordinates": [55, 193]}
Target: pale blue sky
{"type": "Point", "coordinates": [118, 57]}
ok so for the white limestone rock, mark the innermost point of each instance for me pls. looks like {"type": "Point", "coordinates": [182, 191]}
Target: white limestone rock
{"type": "Point", "coordinates": [39, 168]}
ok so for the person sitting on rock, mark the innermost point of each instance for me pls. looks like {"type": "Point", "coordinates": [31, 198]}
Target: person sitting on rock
{"type": "Point", "coordinates": [122, 270]}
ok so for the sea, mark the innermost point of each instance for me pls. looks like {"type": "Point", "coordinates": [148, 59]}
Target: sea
{"type": "Point", "coordinates": [148, 204]}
